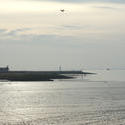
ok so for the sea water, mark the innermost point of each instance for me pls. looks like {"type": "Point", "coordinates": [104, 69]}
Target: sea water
{"type": "Point", "coordinates": [97, 99]}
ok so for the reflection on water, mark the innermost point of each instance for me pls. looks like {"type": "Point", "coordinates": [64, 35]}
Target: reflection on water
{"type": "Point", "coordinates": [95, 100]}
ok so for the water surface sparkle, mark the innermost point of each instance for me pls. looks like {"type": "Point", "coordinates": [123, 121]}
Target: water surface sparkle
{"type": "Point", "coordinates": [95, 100]}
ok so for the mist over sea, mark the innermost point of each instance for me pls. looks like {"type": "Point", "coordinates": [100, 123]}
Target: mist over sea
{"type": "Point", "coordinates": [89, 100]}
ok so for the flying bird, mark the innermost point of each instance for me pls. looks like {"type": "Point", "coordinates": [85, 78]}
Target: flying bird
{"type": "Point", "coordinates": [62, 10]}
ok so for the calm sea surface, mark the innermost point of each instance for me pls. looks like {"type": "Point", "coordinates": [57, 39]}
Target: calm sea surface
{"type": "Point", "coordinates": [92, 100]}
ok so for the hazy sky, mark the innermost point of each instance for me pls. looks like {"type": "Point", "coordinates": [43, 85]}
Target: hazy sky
{"type": "Point", "coordinates": [34, 34]}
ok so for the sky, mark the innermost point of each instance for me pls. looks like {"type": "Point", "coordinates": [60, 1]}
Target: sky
{"type": "Point", "coordinates": [36, 35]}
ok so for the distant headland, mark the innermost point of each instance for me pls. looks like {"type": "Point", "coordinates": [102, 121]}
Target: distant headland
{"type": "Point", "coordinates": [7, 74]}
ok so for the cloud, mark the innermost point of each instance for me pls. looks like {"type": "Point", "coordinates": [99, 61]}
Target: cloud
{"type": "Point", "coordinates": [82, 1]}
{"type": "Point", "coordinates": [16, 31]}
{"type": "Point", "coordinates": [5, 32]}
{"type": "Point", "coordinates": [73, 27]}
{"type": "Point", "coordinates": [105, 7]}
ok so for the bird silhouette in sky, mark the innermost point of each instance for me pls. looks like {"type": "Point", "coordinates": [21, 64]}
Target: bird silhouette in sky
{"type": "Point", "coordinates": [62, 10]}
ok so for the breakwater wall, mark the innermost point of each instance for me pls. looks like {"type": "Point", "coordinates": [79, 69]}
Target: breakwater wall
{"type": "Point", "coordinates": [38, 75]}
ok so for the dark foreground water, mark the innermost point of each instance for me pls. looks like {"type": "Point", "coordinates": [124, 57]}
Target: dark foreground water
{"type": "Point", "coordinates": [94, 100]}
